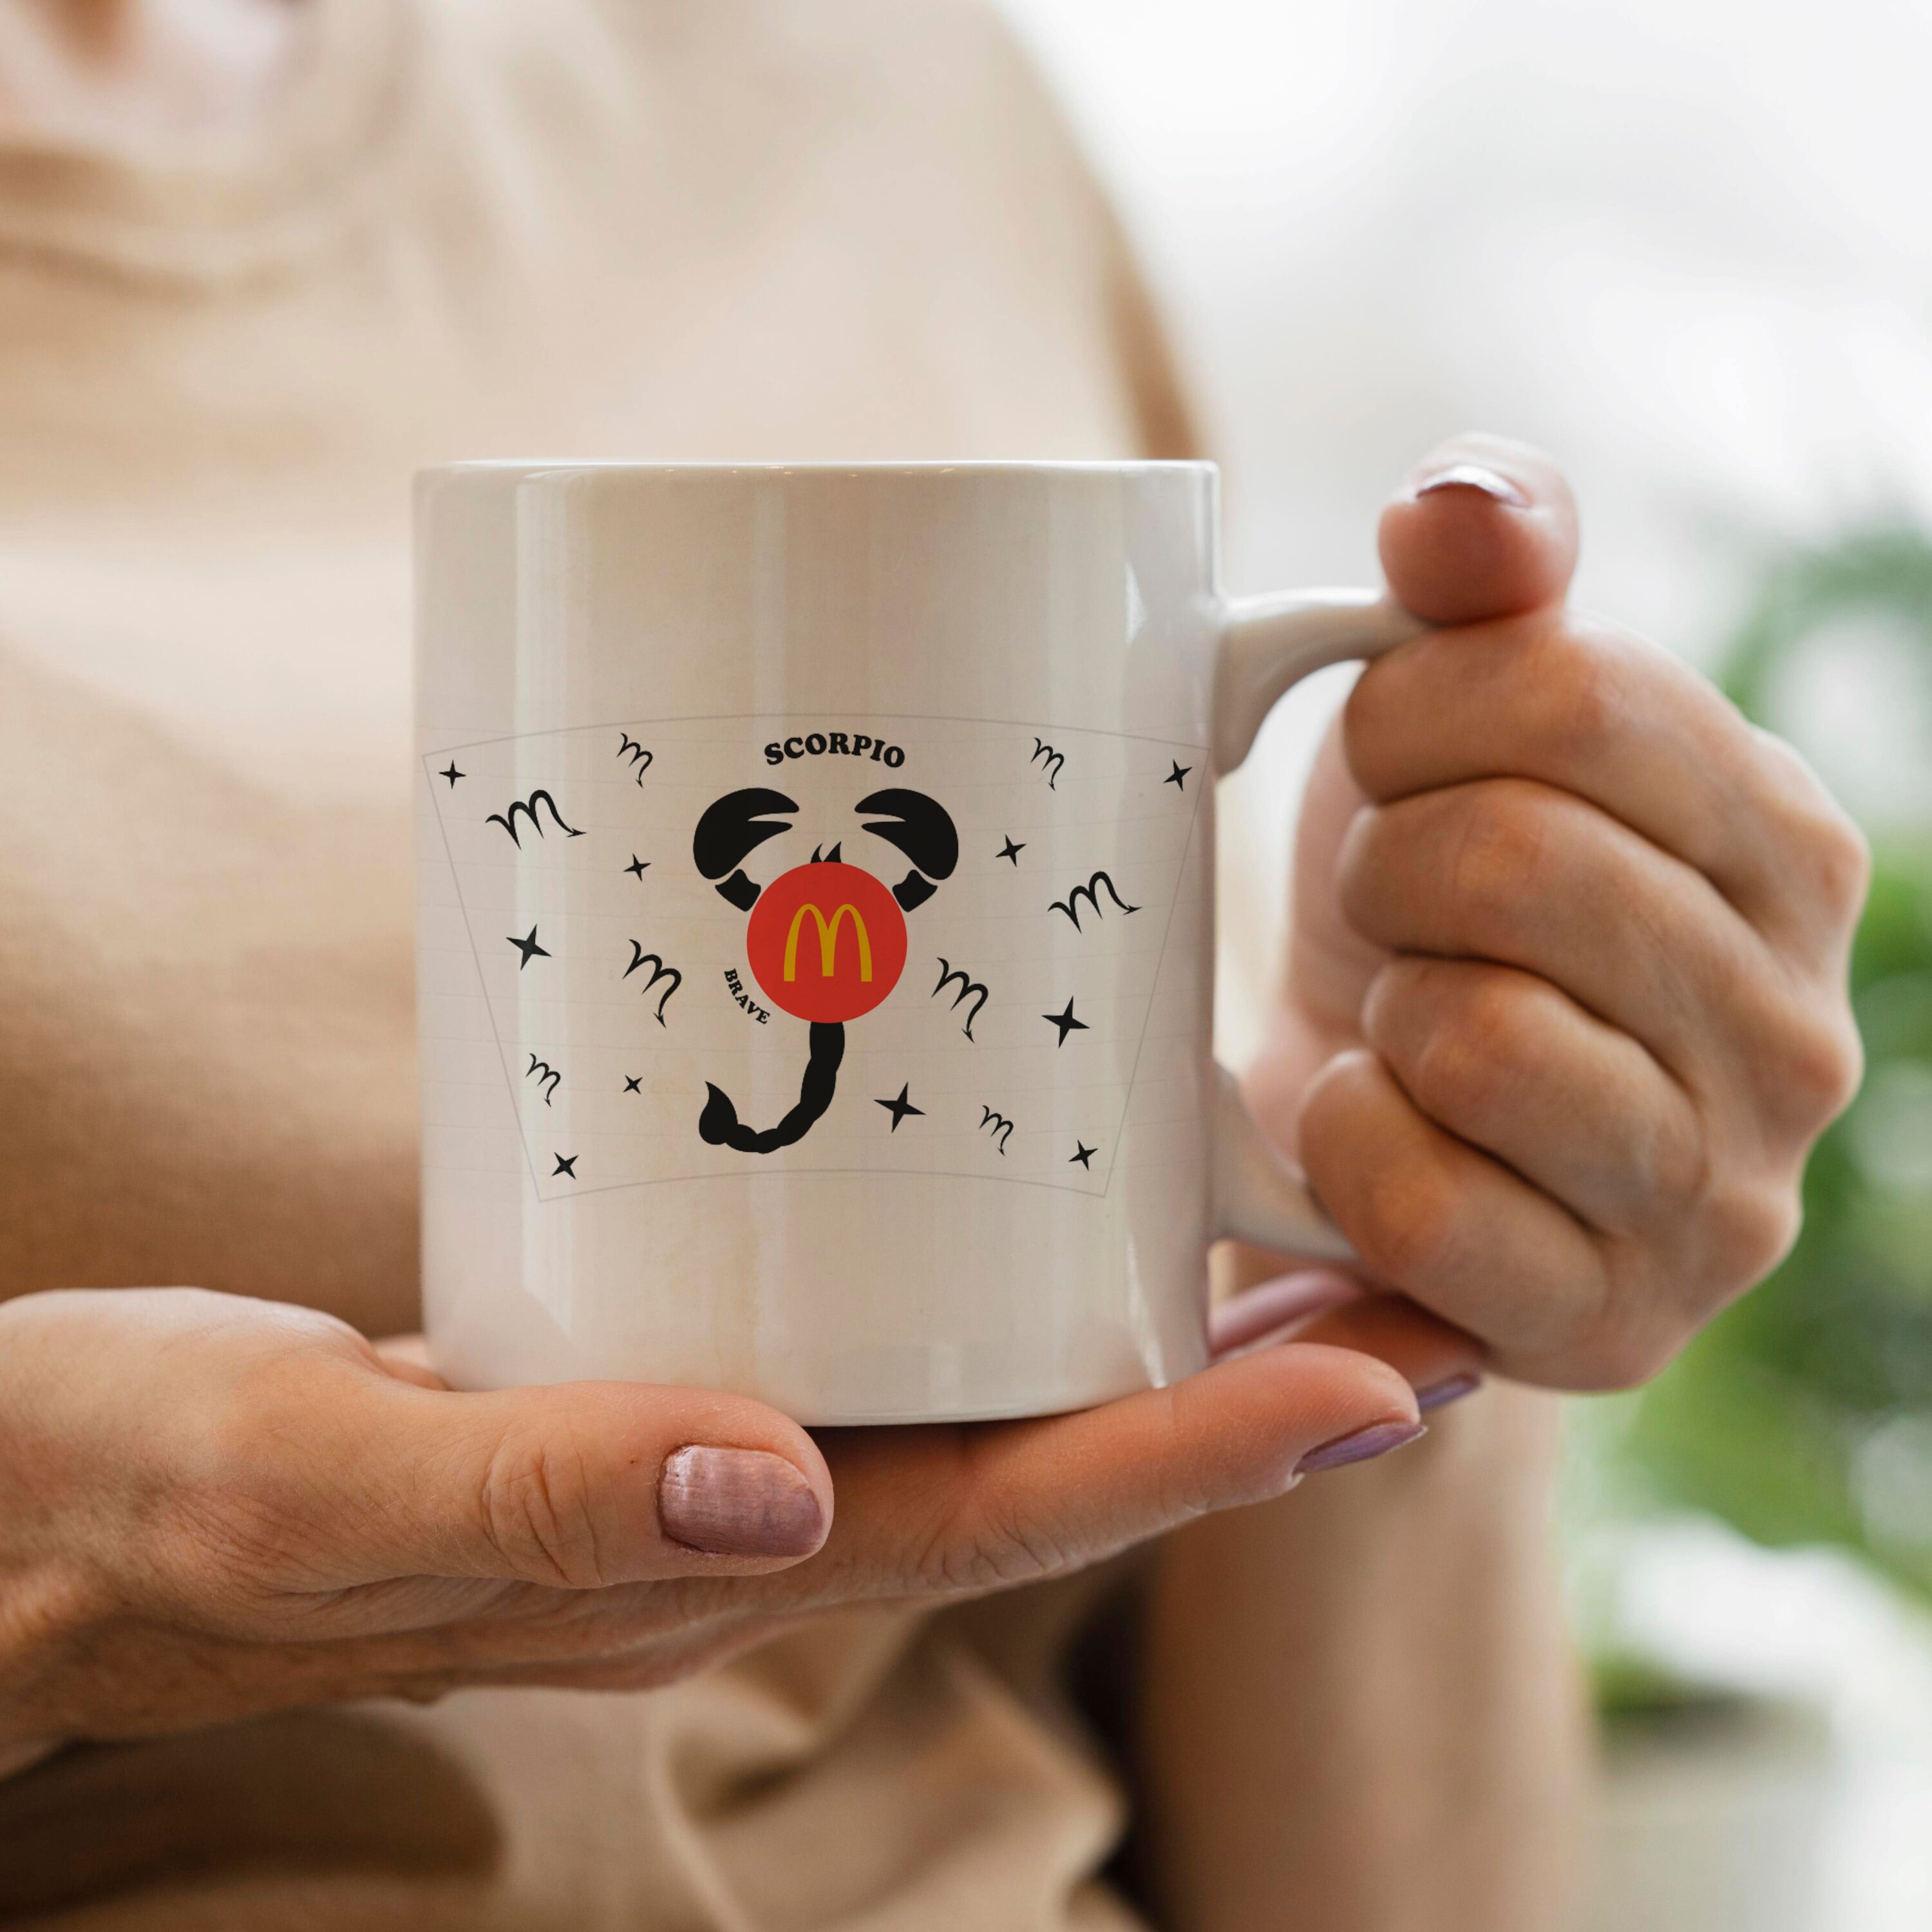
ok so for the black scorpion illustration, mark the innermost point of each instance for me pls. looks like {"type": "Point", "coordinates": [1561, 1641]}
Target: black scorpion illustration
{"type": "Point", "coordinates": [1002, 1127]}
{"type": "Point", "coordinates": [1054, 760]}
{"type": "Point", "coordinates": [730, 831]}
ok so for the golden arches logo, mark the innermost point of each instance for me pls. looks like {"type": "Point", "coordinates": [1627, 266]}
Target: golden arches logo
{"type": "Point", "coordinates": [829, 892]}
{"type": "Point", "coordinates": [828, 941]}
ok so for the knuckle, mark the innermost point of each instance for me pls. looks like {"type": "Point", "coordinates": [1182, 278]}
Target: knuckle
{"type": "Point", "coordinates": [1840, 858]}
{"type": "Point", "coordinates": [1404, 1222]}
{"type": "Point", "coordinates": [1674, 1157]}
{"type": "Point", "coordinates": [1743, 1232]}
{"type": "Point", "coordinates": [1581, 679]}
{"type": "Point", "coordinates": [1500, 847]}
{"type": "Point", "coordinates": [1371, 854]}
{"type": "Point", "coordinates": [1401, 1214]}
{"type": "Point", "coordinates": [1828, 855]}
{"type": "Point", "coordinates": [535, 1509]}
{"type": "Point", "coordinates": [1371, 715]}
{"type": "Point", "coordinates": [1469, 1059]}
{"type": "Point", "coordinates": [1814, 1069]}
{"type": "Point", "coordinates": [1747, 1232]}
{"type": "Point", "coordinates": [1625, 1354]}
{"type": "Point", "coordinates": [1615, 1338]}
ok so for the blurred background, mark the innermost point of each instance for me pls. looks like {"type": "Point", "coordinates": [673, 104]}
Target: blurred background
{"type": "Point", "coordinates": [1687, 246]}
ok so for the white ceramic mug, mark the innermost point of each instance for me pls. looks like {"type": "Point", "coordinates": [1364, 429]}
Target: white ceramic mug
{"type": "Point", "coordinates": [816, 926]}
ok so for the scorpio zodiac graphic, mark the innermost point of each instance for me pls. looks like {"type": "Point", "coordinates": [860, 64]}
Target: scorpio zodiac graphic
{"type": "Point", "coordinates": [795, 938]}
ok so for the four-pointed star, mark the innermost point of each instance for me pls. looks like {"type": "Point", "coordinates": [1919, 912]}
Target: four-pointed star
{"type": "Point", "coordinates": [1011, 852]}
{"type": "Point", "coordinates": [632, 1083]}
{"type": "Point", "coordinates": [1083, 1154]}
{"type": "Point", "coordinates": [1066, 1022]}
{"type": "Point", "coordinates": [900, 1108]}
{"type": "Point", "coordinates": [637, 867]}
{"type": "Point", "coordinates": [450, 772]}
{"type": "Point", "coordinates": [566, 1165]}
{"type": "Point", "coordinates": [1178, 778]}
{"type": "Point", "coordinates": [529, 948]}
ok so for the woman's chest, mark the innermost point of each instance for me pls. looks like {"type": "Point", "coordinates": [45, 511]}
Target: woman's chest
{"type": "Point", "coordinates": [206, 1039]}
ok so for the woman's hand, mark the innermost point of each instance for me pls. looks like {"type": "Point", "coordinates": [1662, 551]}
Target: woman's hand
{"type": "Point", "coordinates": [211, 1506]}
{"type": "Point", "coordinates": [1567, 1002]}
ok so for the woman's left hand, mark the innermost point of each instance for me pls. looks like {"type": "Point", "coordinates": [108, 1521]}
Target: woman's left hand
{"type": "Point", "coordinates": [1566, 1006]}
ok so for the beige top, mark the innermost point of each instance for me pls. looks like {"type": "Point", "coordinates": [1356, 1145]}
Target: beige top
{"type": "Point", "coordinates": [473, 227]}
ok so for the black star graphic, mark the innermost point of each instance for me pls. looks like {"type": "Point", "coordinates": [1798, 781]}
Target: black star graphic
{"type": "Point", "coordinates": [529, 948]}
{"type": "Point", "coordinates": [1083, 1154]}
{"type": "Point", "coordinates": [900, 1108]}
{"type": "Point", "coordinates": [450, 772]}
{"type": "Point", "coordinates": [1178, 778]}
{"type": "Point", "coordinates": [1066, 1022]}
{"type": "Point", "coordinates": [1010, 850]}
{"type": "Point", "coordinates": [566, 1164]}
{"type": "Point", "coordinates": [631, 1083]}
{"type": "Point", "coordinates": [636, 866]}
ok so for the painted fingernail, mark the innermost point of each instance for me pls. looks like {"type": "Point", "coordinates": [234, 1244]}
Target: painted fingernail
{"type": "Point", "coordinates": [739, 1502]}
{"type": "Point", "coordinates": [1378, 1439]}
{"type": "Point", "coordinates": [1472, 476]}
{"type": "Point", "coordinates": [1451, 1388]}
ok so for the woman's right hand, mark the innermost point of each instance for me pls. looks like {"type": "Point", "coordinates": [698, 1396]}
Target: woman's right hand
{"type": "Point", "coordinates": [212, 1507]}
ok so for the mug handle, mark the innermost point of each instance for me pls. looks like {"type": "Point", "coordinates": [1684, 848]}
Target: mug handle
{"type": "Point", "coordinates": [1267, 644]}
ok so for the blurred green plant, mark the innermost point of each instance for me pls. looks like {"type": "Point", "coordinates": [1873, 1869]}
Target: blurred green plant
{"type": "Point", "coordinates": [1804, 1415]}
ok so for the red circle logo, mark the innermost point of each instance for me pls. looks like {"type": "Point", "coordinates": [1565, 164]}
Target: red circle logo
{"type": "Point", "coordinates": [827, 942]}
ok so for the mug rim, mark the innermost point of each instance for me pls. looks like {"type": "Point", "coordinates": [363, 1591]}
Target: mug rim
{"type": "Point", "coordinates": [925, 466]}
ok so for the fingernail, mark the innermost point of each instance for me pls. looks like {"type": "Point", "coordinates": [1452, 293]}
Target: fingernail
{"type": "Point", "coordinates": [1472, 476]}
{"type": "Point", "coordinates": [739, 1502]}
{"type": "Point", "coordinates": [1378, 1439]}
{"type": "Point", "coordinates": [1451, 1388]}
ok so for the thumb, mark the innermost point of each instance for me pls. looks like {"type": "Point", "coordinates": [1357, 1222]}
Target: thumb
{"type": "Point", "coordinates": [1482, 527]}
{"type": "Point", "coordinates": [575, 1487]}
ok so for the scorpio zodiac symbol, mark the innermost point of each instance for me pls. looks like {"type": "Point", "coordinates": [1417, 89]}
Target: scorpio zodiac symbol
{"type": "Point", "coordinates": [797, 924]}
